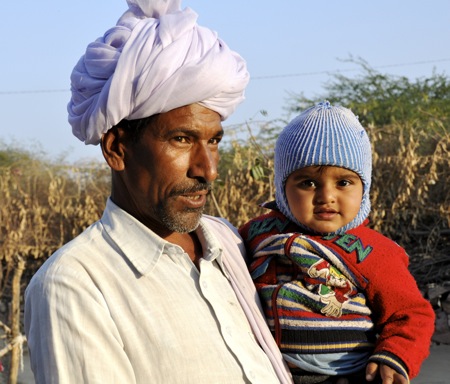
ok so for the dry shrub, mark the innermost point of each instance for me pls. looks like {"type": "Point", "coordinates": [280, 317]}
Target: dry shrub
{"type": "Point", "coordinates": [43, 207]}
{"type": "Point", "coordinates": [237, 195]}
{"type": "Point", "coordinates": [245, 173]}
{"type": "Point", "coordinates": [411, 198]}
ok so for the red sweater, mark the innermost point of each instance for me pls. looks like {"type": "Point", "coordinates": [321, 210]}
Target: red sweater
{"type": "Point", "coordinates": [404, 319]}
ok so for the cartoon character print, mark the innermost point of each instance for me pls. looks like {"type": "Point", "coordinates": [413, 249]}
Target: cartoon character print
{"type": "Point", "coordinates": [336, 289]}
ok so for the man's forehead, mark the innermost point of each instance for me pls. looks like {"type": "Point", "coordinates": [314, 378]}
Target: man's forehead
{"type": "Point", "coordinates": [191, 118]}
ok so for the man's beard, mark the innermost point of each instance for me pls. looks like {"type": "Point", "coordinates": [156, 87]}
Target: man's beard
{"type": "Point", "coordinates": [184, 221]}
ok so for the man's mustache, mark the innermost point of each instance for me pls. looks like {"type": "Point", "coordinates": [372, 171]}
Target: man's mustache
{"type": "Point", "coordinates": [187, 189]}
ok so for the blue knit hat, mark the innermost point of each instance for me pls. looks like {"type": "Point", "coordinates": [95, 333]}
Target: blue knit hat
{"type": "Point", "coordinates": [323, 135]}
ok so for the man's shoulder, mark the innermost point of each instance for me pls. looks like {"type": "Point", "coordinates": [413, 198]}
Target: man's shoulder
{"type": "Point", "coordinates": [226, 234]}
{"type": "Point", "coordinates": [72, 255]}
{"type": "Point", "coordinates": [221, 226]}
{"type": "Point", "coordinates": [217, 220]}
{"type": "Point", "coordinates": [88, 238]}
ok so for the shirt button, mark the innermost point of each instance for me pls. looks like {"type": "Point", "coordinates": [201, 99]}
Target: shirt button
{"type": "Point", "coordinates": [205, 284]}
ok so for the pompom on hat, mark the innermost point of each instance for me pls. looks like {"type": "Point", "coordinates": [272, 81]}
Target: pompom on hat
{"type": "Point", "coordinates": [157, 58]}
{"type": "Point", "coordinates": [323, 135]}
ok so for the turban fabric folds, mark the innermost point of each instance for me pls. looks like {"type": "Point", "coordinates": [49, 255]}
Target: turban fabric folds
{"type": "Point", "coordinates": [155, 59]}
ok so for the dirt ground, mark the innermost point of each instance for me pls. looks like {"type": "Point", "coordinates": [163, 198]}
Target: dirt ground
{"type": "Point", "coordinates": [435, 370]}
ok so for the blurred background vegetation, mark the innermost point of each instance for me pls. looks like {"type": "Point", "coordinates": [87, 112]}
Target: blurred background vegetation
{"type": "Point", "coordinates": [45, 202]}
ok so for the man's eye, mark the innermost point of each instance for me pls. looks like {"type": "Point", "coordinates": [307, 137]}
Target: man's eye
{"type": "Point", "coordinates": [344, 183]}
{"type": "Point", "coordinates": [215, 140]}
{"type": "Point", "coordinates": [181, 139]}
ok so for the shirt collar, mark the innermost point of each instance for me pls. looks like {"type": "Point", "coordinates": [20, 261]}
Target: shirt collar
{"type": "Point", "coordinates": [142, 247]}
{"type": "Point", "coordinates": [212, 248]}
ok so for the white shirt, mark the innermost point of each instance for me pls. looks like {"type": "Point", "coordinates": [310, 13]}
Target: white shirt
{"type": "Point", "coordinates": [120, 305]}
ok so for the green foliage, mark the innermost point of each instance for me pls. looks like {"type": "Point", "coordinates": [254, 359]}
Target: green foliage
{"type": "Point", "coordinates": [12, 155]}
{"type": "Point", "coordinates": [384, 100]}
{"type": "Point", "coordinates": [257, 138]}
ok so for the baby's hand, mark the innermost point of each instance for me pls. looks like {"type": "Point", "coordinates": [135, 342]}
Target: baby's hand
{"type": "Point", "coordinates": [387, 374]}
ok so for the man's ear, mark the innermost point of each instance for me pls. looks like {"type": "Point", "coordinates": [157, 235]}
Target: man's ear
{"type": "Point", "coordinates": [113, 148]}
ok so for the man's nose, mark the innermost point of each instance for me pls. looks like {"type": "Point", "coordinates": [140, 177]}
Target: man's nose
{"type": "Point", "coordinates": [204, 163]}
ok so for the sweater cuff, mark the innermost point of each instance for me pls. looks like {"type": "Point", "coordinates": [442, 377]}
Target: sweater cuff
{"type": "Point", "coordinates": [392, 361]}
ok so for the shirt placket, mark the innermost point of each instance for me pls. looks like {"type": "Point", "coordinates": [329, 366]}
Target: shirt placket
{"type": "Point", "coordinates": [222, 306]}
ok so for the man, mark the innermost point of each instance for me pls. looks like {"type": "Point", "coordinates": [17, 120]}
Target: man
{"type": "Point", "coordinates": [154, 291]}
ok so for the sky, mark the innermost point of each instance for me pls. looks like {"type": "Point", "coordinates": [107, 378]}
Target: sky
{"type": "Point", "coordinates": [290, 46]}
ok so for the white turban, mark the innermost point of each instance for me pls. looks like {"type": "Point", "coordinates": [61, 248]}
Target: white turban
{"type": "Point", "coordinates": [154, 60]}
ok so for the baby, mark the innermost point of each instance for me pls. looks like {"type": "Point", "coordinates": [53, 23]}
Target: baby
{"type": "Point", "coordinates": [338, 296]}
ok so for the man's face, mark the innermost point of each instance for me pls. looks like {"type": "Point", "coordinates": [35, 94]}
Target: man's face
{"type": "Point", "coordinates": [168, 171]}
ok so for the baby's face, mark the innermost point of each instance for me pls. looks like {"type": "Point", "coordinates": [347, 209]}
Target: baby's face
{"type": "Point", "coordinates": [324, 198]}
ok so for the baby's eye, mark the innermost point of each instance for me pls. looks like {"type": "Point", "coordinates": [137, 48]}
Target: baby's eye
{"type": "Point", "coordinates": [344, 183]}
{"type": "Point", "coordinates": [307, 184]}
